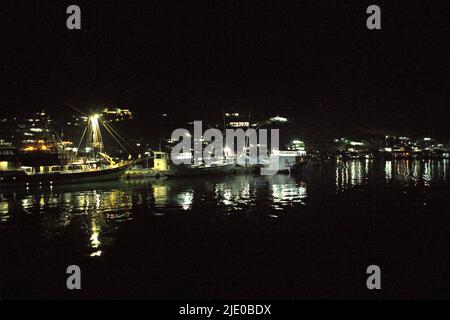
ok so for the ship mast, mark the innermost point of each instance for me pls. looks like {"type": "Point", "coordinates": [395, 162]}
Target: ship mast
{"type": "Point", "coordinates": [94, 137]}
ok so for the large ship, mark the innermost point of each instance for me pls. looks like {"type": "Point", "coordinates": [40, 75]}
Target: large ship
{"type": "Point", "coordinates": [93, 166]}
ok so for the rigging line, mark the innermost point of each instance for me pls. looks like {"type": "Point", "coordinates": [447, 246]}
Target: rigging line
{"type": "Point", "coordinates": [118, 134]}
{"type": "Point", "coordinates": [81, 140]}
{"type": "Point", "coordinates": [73, 107]}
{"type": "Point", "coordinates": [54, 133]}
{"type": "Point", "coordinates": [112, 135]}
{"type": "Point", "coordinates": [101, 137]}
{"type": "Point", "coordinates": [120, 144]}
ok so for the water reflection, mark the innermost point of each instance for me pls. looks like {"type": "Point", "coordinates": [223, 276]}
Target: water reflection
{"type": "Point", "coordinates": [95, 242]}
{"type": "Point", "coordinates": [352, 173]}
{"type": "Point", "coordinates": [236, 195]}
{"type": "Point", "coordinates": [393, 172]}
{"type": "Point", "coordinates": [99, 210]}
{"type": "Point", "coordinates": [227, 194]}
{"type": "Point", "coordinates": [287, 194]}
{"type": "Point", "coordinates": [416, 172]}
{"type": "Point", "coordinates": [117, 200]}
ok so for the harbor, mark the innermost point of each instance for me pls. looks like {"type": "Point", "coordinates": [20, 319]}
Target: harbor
{"type": "Point", "coordinates": [234, 236]}
{"type": "Point", "coordinates": [224, 156]}
{"type": "Point", "coordinates": [253, 221]}
{"type": "Point", "coordinates": [39, 155]}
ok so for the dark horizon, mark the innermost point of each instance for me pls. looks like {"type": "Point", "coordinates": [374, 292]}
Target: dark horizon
{"type": "Point", "coordinates": [316, 64]}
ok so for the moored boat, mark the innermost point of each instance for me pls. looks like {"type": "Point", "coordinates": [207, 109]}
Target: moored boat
{"type": "Point", "coordinates": [68, 174]}
{"type": "Point", "coordinates": [284, 162]}
{"type": "Point", "coordinates": [203, 169]}
{"type": "Point", "coordinates": [70, 168]}
{"type": "Point", "coordinates": [155, 165]}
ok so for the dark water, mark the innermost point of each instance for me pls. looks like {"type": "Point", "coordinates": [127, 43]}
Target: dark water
{"type": "Point", "coordinates": [244, 236]}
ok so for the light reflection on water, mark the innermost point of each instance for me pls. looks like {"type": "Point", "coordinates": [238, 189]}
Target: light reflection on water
{"type": "Point", "coordinates": [99, 209]}
{"type": "Point", "coordinates": [116, 200]}
{"type": "Point", "coordinates": [392, 172]}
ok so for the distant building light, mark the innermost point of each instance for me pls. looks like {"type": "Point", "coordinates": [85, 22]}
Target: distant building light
{"type": "Point", "coordinates": [278, 119]}
{"type": "Point", "coordinates": [29, 148]}
{"type": "Point", "coordinates": [354, 143]}
{"type": "Point", "coordinates": [239, 124]}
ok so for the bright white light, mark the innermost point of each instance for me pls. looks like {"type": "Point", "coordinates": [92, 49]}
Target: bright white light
{"type": "Point", "coordinates": [227, 151]}
{"type": "Point", "coordinates": [183, 155]}
{"type": "Point", "coordinates": [279, 119]}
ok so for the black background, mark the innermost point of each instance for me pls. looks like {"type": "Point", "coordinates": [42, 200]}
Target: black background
{"type": "Point", "coordinates": [312, 61]}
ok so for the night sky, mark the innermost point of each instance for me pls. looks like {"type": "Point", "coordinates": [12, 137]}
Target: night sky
{"type": "Point", "coordinates": [314, 62]}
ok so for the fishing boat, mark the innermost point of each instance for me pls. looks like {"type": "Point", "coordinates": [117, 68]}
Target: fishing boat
{"type": "Point", "coordinates": [158, 165]}
{"type": "Point", "coordinates": [93, 167]}
{"type": "Point", "coordinates": [225, 168]}
{"type": "Point", "coordinates": [284, 162]}
{"type": "Point", "coordinates": [68, 174]}
{"type": "Point", "coordinates": [155, 164]}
